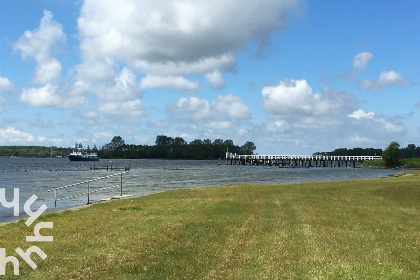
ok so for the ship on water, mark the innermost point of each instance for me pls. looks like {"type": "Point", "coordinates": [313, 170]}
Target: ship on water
{"type": "Point", "coordinates": [77, 155]}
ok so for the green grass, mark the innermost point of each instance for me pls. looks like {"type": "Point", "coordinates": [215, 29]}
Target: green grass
{"type": "Point", "coordinates": [406, 163]}
{"type": "Point", "coordinates": [411, 163]}
{"type": "Point", "coordinates": [365, 229]}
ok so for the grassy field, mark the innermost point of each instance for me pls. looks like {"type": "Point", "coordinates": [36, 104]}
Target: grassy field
{"type": "Point", "coordinates": [365, 229]}
{"type": "Point", "coordinates": [406, 163]}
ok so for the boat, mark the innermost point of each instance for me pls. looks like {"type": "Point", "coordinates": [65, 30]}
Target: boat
{"type": "Point", "coordinates": [79, 156]}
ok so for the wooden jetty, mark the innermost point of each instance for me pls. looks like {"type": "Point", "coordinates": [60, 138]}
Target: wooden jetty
{"type": "Point", "coordinates": [297, 161]}
{"type": "Point", "coordinates": [110, 168]}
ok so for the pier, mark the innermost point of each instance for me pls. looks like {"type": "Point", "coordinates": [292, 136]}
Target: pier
{"type": "Point", "coordinates": [110, 168]}
{"type": "Point", "coordinates": [285, 161]}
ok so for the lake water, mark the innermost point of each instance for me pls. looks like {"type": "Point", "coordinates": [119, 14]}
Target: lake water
{"type": "Point", "coordinates": [37, 176]}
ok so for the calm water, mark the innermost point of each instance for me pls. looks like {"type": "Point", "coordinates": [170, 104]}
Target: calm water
{"type": "Point", "coordinates": [37, 176]}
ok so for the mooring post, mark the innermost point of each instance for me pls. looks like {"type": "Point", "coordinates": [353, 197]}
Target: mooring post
{"type": "Point", "coordinates": [88, 193]}
{"type": "Point", "coordinates": [55, 198]}
{"type": "Point", "coordinates": [121, 184]}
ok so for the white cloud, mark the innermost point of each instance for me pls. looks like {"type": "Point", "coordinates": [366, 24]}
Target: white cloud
{"type": "Point", "coordinates": [6, 85]}
{"type": "Point", "coordinates": [215, 78]}
{"type": "Point", "coordinates": [385, 79]}
{"type": "Point", "coordinates": [295, 98]}
{"type": "Point", "coordinates": [11, 135]}
{"type": "Point", "coordinates": [277, 126]}
{"type": "Point", "coordinates": [360, 114]}
{"type": "Point", "coordinates": [363, 140]}
{"type": "Point", "coordinates": [123, 88]}
{"type": "Point", "coordinates": [361, 60]}
{"type": "Point", "coordinates": [39, 45]}
{"type": "Point", "coordinates": [175, 38]}
{"type": "Point", "coordinates": [50, 96]}
{"type": "Point", "coordinates": [391, 127]}
{"type": "Point", "coordinates": [42, 96]}
{"type": "Point", "coordinates": [166, 43]}
{"type": "Point", "coordinates": [126, 108]}
{"type": "Point", "coordinates": [373, 124]}
{"type": "Point", "coordinates": [223, 112]}
{"type": "Point", "coordinates": [170, 82]}
{"type": "Point", "coordinates": [192, 108]}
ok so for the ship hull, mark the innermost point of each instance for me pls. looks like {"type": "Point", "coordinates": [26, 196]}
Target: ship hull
{"type": "Point", "coordinates": [82, 158]}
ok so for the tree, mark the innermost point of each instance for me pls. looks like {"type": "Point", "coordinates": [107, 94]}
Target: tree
{"type": "Point", "coordinates": [179, 141]}
{"type": "Point", "coordinates": [392, 155]}
{"type": "Point", "coordinates": [228, 142]}
{"type": "Point", "coordinates": [409, 152]}
{"type": "Point", "coordinates": [248, 148]}
{"type": "Point", "coordinates": [218, 142]}
{"type": "Point", "coordinates": [116, 142]}
{"type": "Point", "coordinates": [163, 140]}
{"type": "Point", "coordinates": [196, 142]}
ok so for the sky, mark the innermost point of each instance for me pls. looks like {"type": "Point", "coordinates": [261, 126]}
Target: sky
{"type": "Point", "coordinates": [293, 76]}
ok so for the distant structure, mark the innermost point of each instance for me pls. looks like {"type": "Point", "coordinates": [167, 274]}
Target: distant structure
{"type": "Point", "coordinates": [297, 161]}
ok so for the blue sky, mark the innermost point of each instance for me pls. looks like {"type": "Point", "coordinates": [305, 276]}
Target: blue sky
{"type": "Point", "coordinates": [294, 77]}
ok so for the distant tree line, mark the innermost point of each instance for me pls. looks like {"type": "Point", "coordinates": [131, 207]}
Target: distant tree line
{"type": "Point", "coordinates": [178, 148]}
{"type": "Point", "coordinates": [32, 151]}
{"type": "Point", "coordinates": [411, 151]}
{"type": "Point", "coordinates": [392, 153]}
{"type": "Point", "coordinates": [174, 148]}
{"type": "Point", "coordinates": [351, 152]}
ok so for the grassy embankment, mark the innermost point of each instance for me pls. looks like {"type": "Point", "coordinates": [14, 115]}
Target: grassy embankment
{"type": "Point", "coordinates": [366, 229]}
{"type": "Point", "coordinates": [406, 163]}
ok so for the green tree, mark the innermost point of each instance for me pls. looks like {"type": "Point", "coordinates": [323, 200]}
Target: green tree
{"type": "Point", "coordinates": [163, 140]}
{"type": "Point", "coordinates": [392, 155]}
{"type": "Point", "coordinates": [218, 142]}
{"type": "Point", "coordinates": [179, 141]}
{"type": "Point", "coordinates": [228, 142]}
{"type": "Point", "coordinates": [248, 148]}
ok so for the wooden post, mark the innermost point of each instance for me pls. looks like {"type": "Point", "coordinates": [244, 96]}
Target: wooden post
{"type": "Point", "coordinates": [121, 184]}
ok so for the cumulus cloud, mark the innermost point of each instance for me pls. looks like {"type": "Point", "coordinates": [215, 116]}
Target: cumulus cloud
{"type": "Point", "coordinates": [277, 126]}
{"type": "Point", "coordinates": [168, 82]}
{"type": "Point", "coordinates": [11, 135]}
{"type": "Point", "coordinates": [295, 98]}
{"type": "Point", "coordinates": [373, 123]}
{"type": "Point", "coordinates": [215, 78]}
{"type": "Point", "coordinates": [385, 79]}
{"type": "Point", "coordinates": [6, 85]}
{"type": "Point", "coordinates": [361, 114]}
{"type": "Point", "coordinates": [174, 38]}
{"type": "Point", "coordinates": [50, 96]}
{"type": "Point", "coordinates": [302, 119]}
{"type": "Point", "coordinates": [126, 108]}
{"type": "Point", "coordinates": [223, 112]}
{"type": "Point", "coordinates": [361, 60]}
{"type": "Point", "coordinates": [39, 45]}
{"type": "Point", "coordinates": [42, 96]}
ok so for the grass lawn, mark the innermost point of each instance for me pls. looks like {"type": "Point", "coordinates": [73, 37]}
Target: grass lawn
{"type": "Point", "coordinates": [406, 163]}
{"type": "Point", "coordinates": [364, 229]}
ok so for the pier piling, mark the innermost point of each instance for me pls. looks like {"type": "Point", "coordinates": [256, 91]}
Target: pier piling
{"type": "Point", "coordinates": [298, 161]}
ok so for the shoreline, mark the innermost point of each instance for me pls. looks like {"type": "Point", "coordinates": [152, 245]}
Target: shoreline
{"type": "Point", "coordinates": [79, 207]}
{"type": "Point", "coordinates": [105, 200]}
{"type": "Point", "coordinates": [355, 228]}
